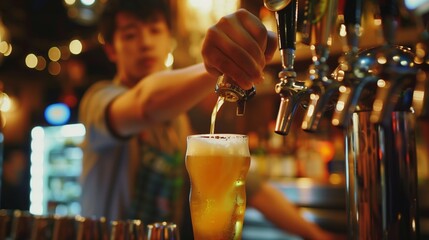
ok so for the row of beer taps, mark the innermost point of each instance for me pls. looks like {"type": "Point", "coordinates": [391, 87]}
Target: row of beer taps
{"type": "Point", "coordinates": [375, 95]}
{"type": "Point", "coordinates": [380, 79]}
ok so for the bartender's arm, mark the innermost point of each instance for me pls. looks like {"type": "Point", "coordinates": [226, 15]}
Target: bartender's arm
{"type": "Point", "coordinates": [277, 209]}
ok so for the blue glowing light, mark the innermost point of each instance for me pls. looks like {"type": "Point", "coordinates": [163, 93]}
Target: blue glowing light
{"type": "Point", "coordinates": [57, 113]}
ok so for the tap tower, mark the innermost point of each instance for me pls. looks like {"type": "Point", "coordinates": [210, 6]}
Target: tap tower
{"type": "Point", "coordinates": [375, 94]}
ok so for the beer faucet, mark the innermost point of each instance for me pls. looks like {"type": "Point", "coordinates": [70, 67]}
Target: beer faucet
{"type": "Point", "coordinates": [397, 75]}
{"type": "Point", "coordinates": [374, 107]}
{"type": "Point", "coordinates": [351, 73]}
{"type": "Point", "coordinates": [231, 92]}
{"type": "Point", "coordinates": [292, 92]}
{"type": "Point", "coordinates": [319, 20]}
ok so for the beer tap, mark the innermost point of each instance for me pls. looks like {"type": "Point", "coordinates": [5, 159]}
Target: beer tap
{"type": "Point", "coordinates": [398, 71]}
{"type": "Point", "coordinates": [353, 72]}
{"type": "Point", "coordinates": [292, 92]}
{"type": "Point", "coordinates": [231, 92]}
{"type": "Point", "coordinates": [374, 107]}
{"type": "Point", "coordinates": [319, 20]}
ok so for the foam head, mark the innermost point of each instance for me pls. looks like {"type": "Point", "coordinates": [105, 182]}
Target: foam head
{"type": "Point", "coordinates": [217, 144]}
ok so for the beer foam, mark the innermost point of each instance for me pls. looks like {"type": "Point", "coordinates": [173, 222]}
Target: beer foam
{"type": "Point", "coordinates": [217, 144]}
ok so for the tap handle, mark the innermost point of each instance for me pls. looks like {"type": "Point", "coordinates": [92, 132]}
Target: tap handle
{"type": "Point", "coordinates": [286, 26]}
{"type": "Point", "coordinates": [352, 12]}
{"type": "Point", "coordinates": [389, 12]}
{"type": "Point", "coordinates": [388, 8]}
{"type": "Point", "coordinates": [352, 20]}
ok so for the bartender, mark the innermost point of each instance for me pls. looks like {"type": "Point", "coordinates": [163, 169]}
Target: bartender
{"type": "Point", "coordinates": [133, 163]}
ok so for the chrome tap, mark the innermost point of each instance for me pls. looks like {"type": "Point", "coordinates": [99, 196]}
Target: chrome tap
{"type": "Point", "coordinates": [351, 73]}
{"type": "Point", "coordinates": [374, 107]}
{"type": "Point", "coordinates": [292, 92]}
{"type": "Point", "coordinates": [319, 20]}
{"type": "Point", "coordinates": [397, 69]}
{"type": "Point", "coordinates": [231, 92]}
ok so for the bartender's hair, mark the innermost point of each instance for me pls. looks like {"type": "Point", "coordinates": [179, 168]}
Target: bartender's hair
{"type": "Point", "coordinates": [146, 10]}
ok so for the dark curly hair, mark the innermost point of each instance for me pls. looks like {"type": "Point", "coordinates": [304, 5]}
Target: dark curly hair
{"type": "Point", "coordinates": [143, 9]}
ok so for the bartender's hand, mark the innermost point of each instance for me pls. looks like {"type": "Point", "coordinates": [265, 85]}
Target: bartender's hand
{"type": "Point", "coordinates": [239, 46]}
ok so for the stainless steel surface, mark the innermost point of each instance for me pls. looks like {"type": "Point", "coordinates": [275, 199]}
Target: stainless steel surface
{"type": "Point", "coordinates": [358, 78]}
{"type": "Point", "coordinates": [380, 140]}
{"type": "Point", "coordinates": [396, 79]}
{"type": "Point", "coordinates": [382, 178]}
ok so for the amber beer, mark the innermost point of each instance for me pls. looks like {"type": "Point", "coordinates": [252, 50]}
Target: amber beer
{"type": "Point", "coordinates": [217, 165]}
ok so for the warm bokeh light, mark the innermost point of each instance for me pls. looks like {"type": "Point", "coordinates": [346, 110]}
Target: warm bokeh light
{"type": "Point", "coordinates": [75, 46]}
{"type": "Point", "coordinates": [100, 39]}
{"type": "Point", "coordinates": [41, 63]}
{"type": "Point", "coordinates": [203, 5]}
{"type": "Point", "coordinates": [87, 2]}
{"type": "Point", "coordinates": [4, 47]}
{"type": "Point", "coordinates": [9, 50]}
{"type": "Point", "coordinates": [31, 60]}
{"type": "Point", "coordinates": [336, 178]}
{"type": "Point", "coordinates": [65, 52]}
{"type": "Point", "coordinates": [343, 30]}
{"type": "Point", "coordinates": [381, 83]}
{"type": "Point", "coordinates": [54, 68]}
{"type": "Point", "coordinates": [54, 54]}
{"type": "Point", "coordinates": [5, 103]}
{"type": "Point", "coordinates": [169, 61]}
{"type": "Point", "coordinates": [326, 150]}
{"type": "Point", "coordinates": [69, 2]}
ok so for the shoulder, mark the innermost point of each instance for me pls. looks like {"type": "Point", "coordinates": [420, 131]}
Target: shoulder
{"type": "Point", "coordinates": [105, 86]}
{"type": "Point", "coordinates": [101, 93]}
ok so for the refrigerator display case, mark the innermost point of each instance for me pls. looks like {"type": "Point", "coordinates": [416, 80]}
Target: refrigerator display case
{"type": "Point", "coordinates": [56, 165]}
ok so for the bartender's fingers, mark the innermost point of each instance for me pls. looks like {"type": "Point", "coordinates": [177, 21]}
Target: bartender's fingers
{"type": "Point", "coordinates": [248, 32]}
{"type": "Point", "coordinates": [266, 40]}
{"type": "Point", "coordinates": [222, 55]}
{"type": "Point", "coordinates": [217, 63]}
{"type": "Point", "coordinates": [236, 46]}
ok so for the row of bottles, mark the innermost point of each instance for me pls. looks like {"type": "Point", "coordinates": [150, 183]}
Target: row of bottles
{"type": "Point", "coordinates": [21, 225]}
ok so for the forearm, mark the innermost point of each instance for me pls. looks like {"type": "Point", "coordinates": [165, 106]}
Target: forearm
{"type": "Point", "coordinates": [156, 98]}
{"type": "Point", "coordinates": [281, 212]}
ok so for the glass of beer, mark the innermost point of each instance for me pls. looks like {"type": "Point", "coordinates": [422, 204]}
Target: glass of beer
{"type": "Point", "coordinates": [217, 165]}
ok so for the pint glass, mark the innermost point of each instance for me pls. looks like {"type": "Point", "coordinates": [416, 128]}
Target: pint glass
{"type": "Point", "coordinates": [217, 165]}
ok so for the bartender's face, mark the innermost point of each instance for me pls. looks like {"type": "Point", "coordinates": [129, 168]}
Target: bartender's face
{"type": "Point", "coordinates": [139, 47]}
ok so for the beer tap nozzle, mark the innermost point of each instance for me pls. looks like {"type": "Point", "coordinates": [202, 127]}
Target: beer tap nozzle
{"type": "Point", "coordinates": [290, 90]}
{"type": "Point", "coordinates": [352, 72]}
{"type": "Point", "coordinates": [231, 92]}
{"type": "Point", "coordinates": [397, 77]}
{"type": "Point", "coordinates": [318, 25]}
